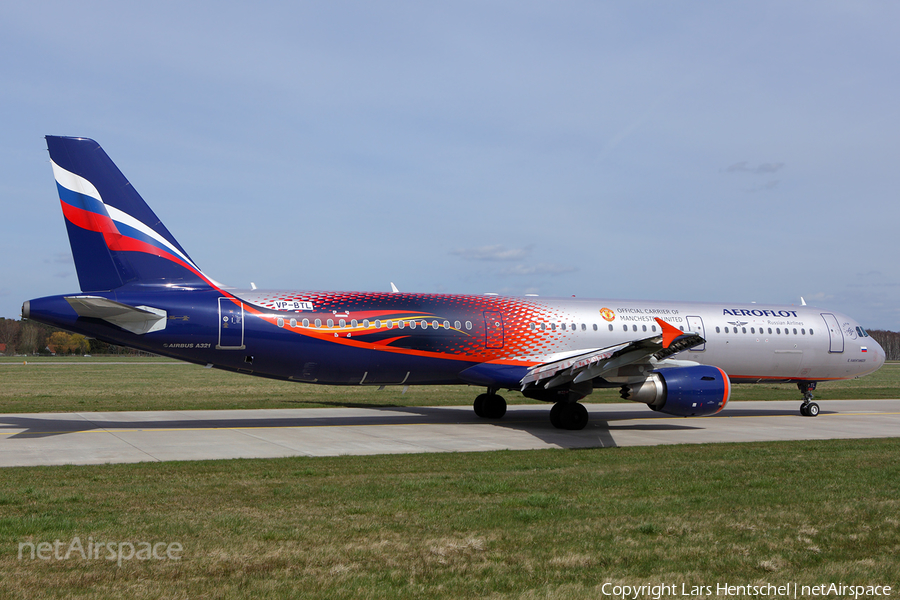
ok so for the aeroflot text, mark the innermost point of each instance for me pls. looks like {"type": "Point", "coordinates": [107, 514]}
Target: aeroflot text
{"type": "Point", "coordinates": [755, 312]}
{"type": "Point", "coordinates": [788, 590]}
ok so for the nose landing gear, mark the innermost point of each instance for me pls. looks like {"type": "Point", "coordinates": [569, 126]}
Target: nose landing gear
{"type": "Point", "coordinates": [808, 408]}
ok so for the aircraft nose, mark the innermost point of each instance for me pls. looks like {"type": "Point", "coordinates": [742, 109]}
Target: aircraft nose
{"type": "Point", "coordinates": [881, 356]}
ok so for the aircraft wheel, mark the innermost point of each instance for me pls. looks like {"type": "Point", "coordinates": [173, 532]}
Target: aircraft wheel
{"type": "Point", "coordinates": [494, 407]}
{"type": "Point", "coordinates": [479, 405]}
{"type": "Point", "coordinates": [812, 410]}
{"type": "Point", "coordinates": [803, 408]}
{"type": "Point", "coordinates": [554, 415]}
{"type": "Point", "coordinates": [573, 416]}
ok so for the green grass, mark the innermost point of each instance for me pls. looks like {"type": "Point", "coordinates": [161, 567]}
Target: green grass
{"type": "Point", "coordinates": [535, 524]}
{"type": "Point", "coordinates": [108, 384]}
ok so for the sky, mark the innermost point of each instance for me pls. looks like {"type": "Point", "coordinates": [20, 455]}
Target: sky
{"type": "Point", "coordinates": [700, 151]}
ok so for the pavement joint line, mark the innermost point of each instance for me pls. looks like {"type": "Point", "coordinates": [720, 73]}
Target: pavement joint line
{"type": "Point", "coordinates": [112, 433]}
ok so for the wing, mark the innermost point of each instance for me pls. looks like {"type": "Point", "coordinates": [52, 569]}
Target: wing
{"type": "Point", "coordinates": [596, 363]}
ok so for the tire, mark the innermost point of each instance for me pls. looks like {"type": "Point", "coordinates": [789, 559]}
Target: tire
{"type": "Point", "coordinates": [554, 415]}
{"type": "Point", "coordinates": [494, 407]}
{"type": "Point", "coordinates": [812, 410]}
{"type": "Point", "coordinates": [574, 416]}
{"type": "Point", "coordinates": [479, 405]}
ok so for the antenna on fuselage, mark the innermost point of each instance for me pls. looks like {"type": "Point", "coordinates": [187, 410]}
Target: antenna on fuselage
{"type": "Point", "coordinates": [802, 301]}
{"type": "Point", "coordinates": [394, 288]}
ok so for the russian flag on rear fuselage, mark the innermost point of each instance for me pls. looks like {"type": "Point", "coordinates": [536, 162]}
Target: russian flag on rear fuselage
{"type": "Point", "coordinates": [116, 238]}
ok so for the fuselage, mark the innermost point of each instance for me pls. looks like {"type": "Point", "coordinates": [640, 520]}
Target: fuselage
{"type": "Point", "coordinates": [374, 338]}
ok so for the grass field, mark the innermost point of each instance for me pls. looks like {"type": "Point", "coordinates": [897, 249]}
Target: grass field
{"type": "Point", "coordinates": [108, 384]}
{"type": "Point", "coordinates": [536, 524]}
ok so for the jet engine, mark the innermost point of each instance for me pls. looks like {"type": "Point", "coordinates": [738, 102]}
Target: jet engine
{"type": "Point", "coordinates": [682, 391]}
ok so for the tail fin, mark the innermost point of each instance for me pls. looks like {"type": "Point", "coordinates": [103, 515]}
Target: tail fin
{"type": "Point", "coordinates": [116, 239]}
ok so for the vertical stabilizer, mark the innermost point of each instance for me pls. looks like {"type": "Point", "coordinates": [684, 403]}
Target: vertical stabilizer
{"type": "Point", "coordinates": [116, 238]}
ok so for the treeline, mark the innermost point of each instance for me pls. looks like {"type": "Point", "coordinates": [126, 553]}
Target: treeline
{"type": "Point", "coordinates": [30, 338]}
{"type": "Point", "coordinates": [889, 340]}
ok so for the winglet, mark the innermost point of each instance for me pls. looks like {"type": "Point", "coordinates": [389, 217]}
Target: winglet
{"type": "Point", "coordinates": [669, 332]}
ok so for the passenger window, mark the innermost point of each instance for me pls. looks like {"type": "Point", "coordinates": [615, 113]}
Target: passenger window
{"type": "Point", "coordinates": [306, 322]}
{"type": "Point", "coordinates": [366, 323]}
{"type": "Point", "coordinates": [770, 331]}
{"type": "Point", "coordinates": [563, 327]}
{"type": "Point", "coordinates": [595, 327]}
{"type": "Point", "coordinates": [390, 324]}
{"type": "Point", "coordinates": [435, 324]}
{"type": "Point", "coordinates": [624, 327]}
{"type": "Point", "coordinates": [293, 322]}
{"type": "Point", "coordinates": [752, 330]}
{"type": "Point", "coordinates": [718, 330]}
{"type": "Point", "coordinates": [401, 324]}
{"type": "Point", "coordinates": [653, 328]}
{"type": "Point", "coordinates": [778, 330]}
{"type": "Point", "coordinates": [412, 324]}
{"type": "Point", "coordinates": [802, 332]}
{"type": "Point", "coordinates": [354, 323]}
{"type": "Point", "coordinates": [726, 330]}
{"type": "Point", "coordinates": [424, 324]}
{"type": "Point", "coordinates": [468, 324]}
{"type": "Point", "coordinates": [610, 327]}
{"type": "Point", "coordinates": [342, 323]}
{"type": "Point", "coordinates": [456, 324]}
{"type": "Point", "coordinates": [543, 327]}
{"type": "Point", "coordinates": [584, 327]}
{"type": "Point", "coordinates": [644, 327]}
{"type": "Point", "coordinates": [318, 322]}
{"type": "Point", "coordinates": [810, 332]}
{"type": "Point", "coordinates": [634, 327]}
{"type": "Point", "coordinates": [574, 327]}
{"type": "Point", "coordinates": [331, 322]}
{"type": "Point", "coordinates": [795, 331]}
{"type": "Point", "coordinates": [531, 326]}
{"type": "Point", "coordinates": [446, 324]}
{"type": "Point", "coordinates": [743, 330]}
{"type": "Point", "coordinates": [280, 322]}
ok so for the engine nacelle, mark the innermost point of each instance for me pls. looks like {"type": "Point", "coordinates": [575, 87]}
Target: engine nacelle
{"type": "Point", "coordinates": [683, 391]}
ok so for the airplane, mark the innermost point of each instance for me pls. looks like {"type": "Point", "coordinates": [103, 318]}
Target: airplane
{"type": "Point", "coordinates": [141, 289]}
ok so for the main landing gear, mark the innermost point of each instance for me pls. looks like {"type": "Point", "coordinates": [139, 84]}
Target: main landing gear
{"type": "Point", "coordinates": [569, 415]}
{"type": "Point", "coordinates": [565, 414]}
{"type": "Point", "coordinates": [808, 408]}
{"type": "Point", "coordinates": [490, 405]}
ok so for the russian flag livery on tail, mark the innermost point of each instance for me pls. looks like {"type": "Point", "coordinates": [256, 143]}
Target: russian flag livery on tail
{"type": "Point", "coordinates": [140, 288]}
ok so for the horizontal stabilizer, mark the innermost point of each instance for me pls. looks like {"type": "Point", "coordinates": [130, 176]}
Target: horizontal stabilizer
{"type": "Point", "coordinates": [136, 319]}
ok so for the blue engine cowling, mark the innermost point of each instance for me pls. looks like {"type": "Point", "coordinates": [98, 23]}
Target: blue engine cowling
{"type": "Point", "coordinates": [683, 391]}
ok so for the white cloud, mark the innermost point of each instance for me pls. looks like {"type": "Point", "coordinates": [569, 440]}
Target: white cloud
{"type": "Point", "coordinates": [495, 252]}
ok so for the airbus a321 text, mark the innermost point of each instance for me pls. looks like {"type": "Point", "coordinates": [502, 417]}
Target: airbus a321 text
{"type": "Point", "coordinates": [139, 288]}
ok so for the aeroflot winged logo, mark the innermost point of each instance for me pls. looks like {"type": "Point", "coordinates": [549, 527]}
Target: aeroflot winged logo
{"type": "Point", "coordinates": [747, 312]}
